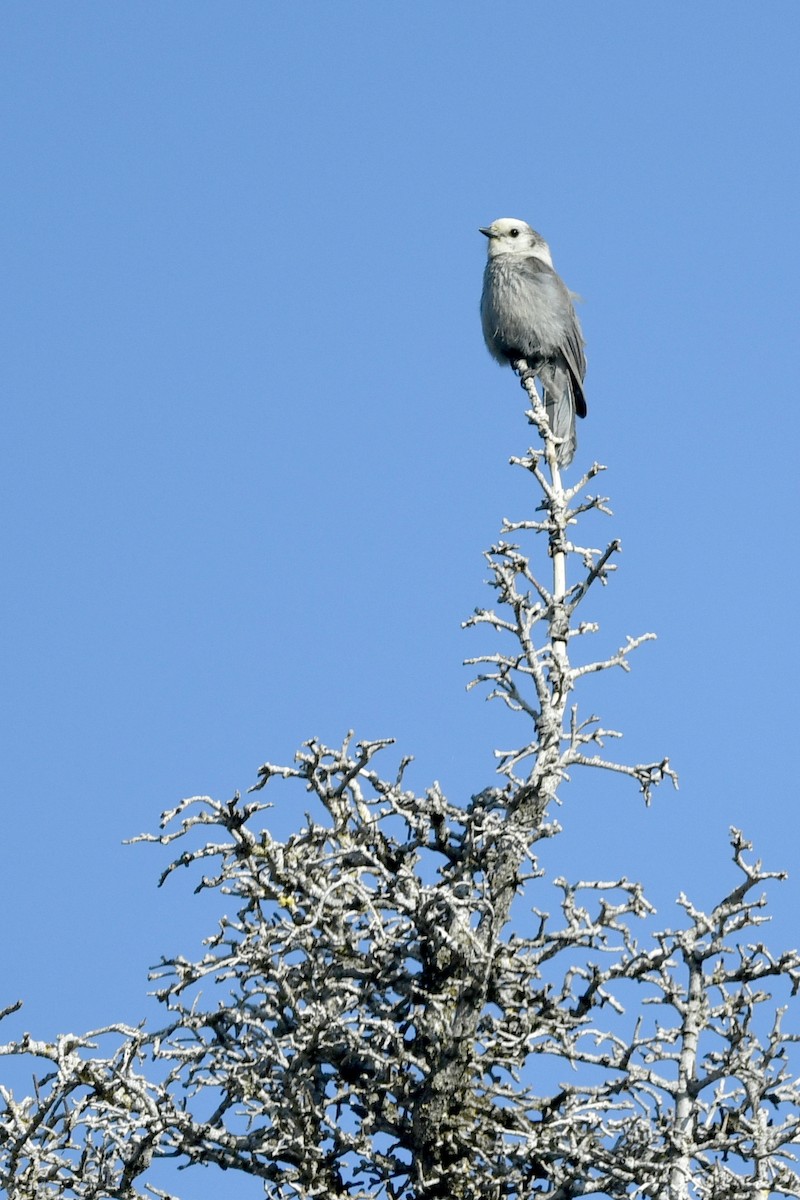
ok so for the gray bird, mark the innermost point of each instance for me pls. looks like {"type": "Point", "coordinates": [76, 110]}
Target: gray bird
{"type": "Point", "coordinates": [527, 312]}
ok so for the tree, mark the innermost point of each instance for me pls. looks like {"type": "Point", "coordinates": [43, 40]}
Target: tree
{"type": "Point", "coordinates": [377, 1013]}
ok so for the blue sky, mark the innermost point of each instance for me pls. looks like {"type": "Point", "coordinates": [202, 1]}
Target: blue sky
{"type": "Point", "coordinates": [254, 445]}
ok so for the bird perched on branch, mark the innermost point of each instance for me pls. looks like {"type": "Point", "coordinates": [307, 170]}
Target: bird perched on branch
{"type": "Point", "coordinates": [527, 312]}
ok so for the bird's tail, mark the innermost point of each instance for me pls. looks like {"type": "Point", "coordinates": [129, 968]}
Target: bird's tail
{"type": "Point", "coordinates": [559, 401]}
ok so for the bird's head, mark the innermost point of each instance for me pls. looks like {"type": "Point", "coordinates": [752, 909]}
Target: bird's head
{"type": "Point", "coordinates": [510, 236]}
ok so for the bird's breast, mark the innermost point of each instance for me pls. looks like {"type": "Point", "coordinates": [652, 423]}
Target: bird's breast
{"type": "Point", "coordinates": [525, 308]}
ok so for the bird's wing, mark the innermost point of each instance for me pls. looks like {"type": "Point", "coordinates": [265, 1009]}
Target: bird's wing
{"type": "Point", "coordinates": [576, 365]}
{"type": "Point", "coordinates": [572, 345]}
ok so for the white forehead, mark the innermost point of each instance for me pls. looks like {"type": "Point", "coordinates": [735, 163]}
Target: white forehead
{"type": "Point", "coordinates": [504, 225]}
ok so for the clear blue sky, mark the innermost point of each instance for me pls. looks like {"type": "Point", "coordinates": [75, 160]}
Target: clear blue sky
{"type": "Point", "coordinates": [254, 445]}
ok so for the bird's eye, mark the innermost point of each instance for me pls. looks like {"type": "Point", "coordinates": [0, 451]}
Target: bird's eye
{"type": "Point", "coordinates": [513, 233]}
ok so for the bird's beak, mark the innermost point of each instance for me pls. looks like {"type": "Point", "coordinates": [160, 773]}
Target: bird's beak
{"type": "Point", "coordinates": [486, 232]}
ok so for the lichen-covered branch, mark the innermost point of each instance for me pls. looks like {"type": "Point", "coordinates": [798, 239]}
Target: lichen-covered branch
{"type": "Point", "coordinates": [396, 1004]}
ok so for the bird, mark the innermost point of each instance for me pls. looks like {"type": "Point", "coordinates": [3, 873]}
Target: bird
{"type": "Point", "coordinates": [527, 311]}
